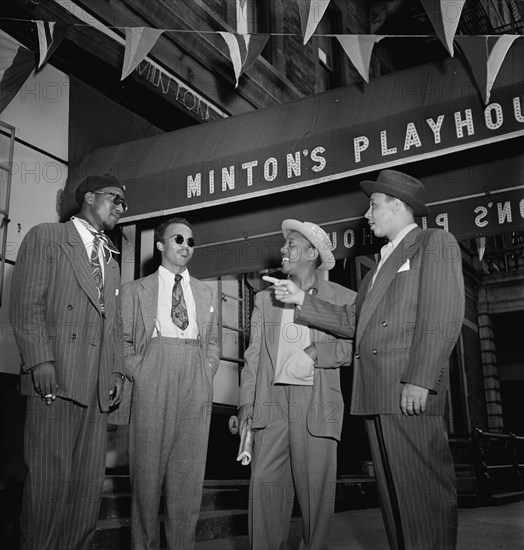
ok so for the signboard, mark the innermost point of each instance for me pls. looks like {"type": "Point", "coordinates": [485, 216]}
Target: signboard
{"type": "Point", "coordinates": [400, 118]}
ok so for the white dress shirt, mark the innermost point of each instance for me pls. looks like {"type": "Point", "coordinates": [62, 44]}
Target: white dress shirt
{"type": "Point", "coordinates": [163, 322]}
{"type": "Point", "coordinates": [387, 249]}
{"type": "Point", "coordinates": [89, 239]}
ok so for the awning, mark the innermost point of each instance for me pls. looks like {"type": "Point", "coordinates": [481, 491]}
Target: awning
{"type": "Point", "coordinates": [313, 152]}
{"type": "Point", "coordinates": [424, 112]}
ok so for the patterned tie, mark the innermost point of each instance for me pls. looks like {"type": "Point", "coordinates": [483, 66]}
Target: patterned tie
{"type": "Point", "coordinates": [178, 305]}
{"type": "Point", "coordinates": [97, 271]}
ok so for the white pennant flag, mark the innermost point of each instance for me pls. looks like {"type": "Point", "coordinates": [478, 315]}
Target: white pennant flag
{"type": "Point", "coordinates": [485, 55]}
{"type": "Point", "coordinates": [139, 42]}
{"type": "Point", "coordinates": [311, 12]}
{"type": "Point", "coordinates": [358, 48]}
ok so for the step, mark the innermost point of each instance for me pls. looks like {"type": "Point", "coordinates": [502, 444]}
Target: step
{"type": "Point", "coordinates": [118, 505]}
{"type": "Point", "coordinates": [507, 497]}
{"type": "Point", "coordinates": [116, 532]}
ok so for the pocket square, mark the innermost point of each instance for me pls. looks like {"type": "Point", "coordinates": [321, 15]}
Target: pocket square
{"type": "Point", "coordinates": [404, 267]}
{"type": "Point", "coordinates": [211, 309]}
{"type": "Point", "coordinates": [116, 291]}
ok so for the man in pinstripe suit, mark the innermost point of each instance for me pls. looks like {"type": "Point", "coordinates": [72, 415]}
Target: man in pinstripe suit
{"type": "Point", "coordinates": [408, 316]}
{"type": "Point", "coordinates": [69, 333]}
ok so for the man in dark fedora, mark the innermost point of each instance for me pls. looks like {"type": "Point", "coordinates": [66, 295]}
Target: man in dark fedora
{"type": "Point", "coordinates": [405, 322]}
{"type": "Point", "coordinates": [65, 313]}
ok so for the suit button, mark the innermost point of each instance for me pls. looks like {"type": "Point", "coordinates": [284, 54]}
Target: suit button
{"type": "Point", "coordinates": [375, 351]}
{"type": "Point", "coordinates": [357, 355]}
{"type": "Point", "coordinates": [73, 336]}
{"type": "Point", "coordinates": [69, 307]}
{"type": "Point", "coordinates": [384, 323]}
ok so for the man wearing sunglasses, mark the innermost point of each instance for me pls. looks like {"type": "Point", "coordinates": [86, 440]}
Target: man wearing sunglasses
{"type": "Point", "coordinates": [171, 353]}
{"type": "Point", "coordinates": [65, 314]}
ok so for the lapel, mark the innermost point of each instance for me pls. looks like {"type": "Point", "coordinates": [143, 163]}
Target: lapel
{"type": "Point", "coordinates": [77, 254]}
{"type": "Point", "coordinates": [272, 319]}
{"type": "Point", "coordinates": [202, 305]}
{"type": "Point", "coordinates": [326, 293]}
{"type": "Point", "coordinates": [148, 300]}
{"type": "Point", "coordinates": [374, 296]}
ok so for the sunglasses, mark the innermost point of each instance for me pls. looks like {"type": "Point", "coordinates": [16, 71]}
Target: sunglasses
{"type": "Point", "coordinates": [117, 199]}
{"type": "Point", "coordinates": [179, 239]}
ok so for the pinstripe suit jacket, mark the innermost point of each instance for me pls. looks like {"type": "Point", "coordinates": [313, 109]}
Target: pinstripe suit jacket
{"type": "Point", "coordinates": [326, 409]}
{"type": "Point", "coordinates": [56, 316]}
{"type": "Point", "coordinates": [406, 324]}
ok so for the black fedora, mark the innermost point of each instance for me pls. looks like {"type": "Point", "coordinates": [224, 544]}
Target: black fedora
{"type": "Point", "coordinates": [399, 185]}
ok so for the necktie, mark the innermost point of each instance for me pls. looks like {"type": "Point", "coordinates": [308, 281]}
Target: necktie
{"type": "Point", "coordinates": [178, 305]}
{"type": "Point", "coordinates": [108, 248]}
{"type": "Point", "coordinates": [97, 271]}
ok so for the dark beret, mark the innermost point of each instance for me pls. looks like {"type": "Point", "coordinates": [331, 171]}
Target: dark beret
{"type": "Point", "coordinates": [92, 183]}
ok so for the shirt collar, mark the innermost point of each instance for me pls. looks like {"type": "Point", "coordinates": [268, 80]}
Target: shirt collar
{"type": "Point", "coordinates": [170, 277]}
{"type": "Point", "coordinates": [395, 242]}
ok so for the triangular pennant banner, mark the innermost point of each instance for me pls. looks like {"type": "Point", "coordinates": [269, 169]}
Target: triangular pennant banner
{"type": "Point", "coordinates": [444, 16]}
{"type": "Point", "coordinates": [16, 64]}
{"type": "Point", "coordinates": [311, 12]}
{"type": "Point", "coordinates": [139, 42]}
{"type": "Point", "coordinates": [485, 55]}
{"type": "Point", "coordinates": [243, 50]}
{"type": "Point", "coordinates": [358, 48]}
{"type": "Point", "coordinates": [50, 36]}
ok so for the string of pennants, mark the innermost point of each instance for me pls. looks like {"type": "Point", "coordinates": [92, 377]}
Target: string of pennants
{"type": "Point", "coordinates": [484, 53]}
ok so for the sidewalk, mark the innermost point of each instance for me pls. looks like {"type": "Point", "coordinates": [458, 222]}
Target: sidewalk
{"type": "Point", "coordinates": [486, 528]}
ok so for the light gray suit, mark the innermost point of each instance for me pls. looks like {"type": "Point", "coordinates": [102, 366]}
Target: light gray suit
{"type": "Point", "coordinates": [297, 428]}
{"type": "Point", "coordinates": [56, 316]}
{"type": "Point", "coordinates": [170, 412]}
{"type": "Point", "coordinates": [407, 323]}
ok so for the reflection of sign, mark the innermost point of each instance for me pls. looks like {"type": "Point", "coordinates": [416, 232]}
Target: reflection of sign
{"type": "Point", "coordinates": [464, 217]}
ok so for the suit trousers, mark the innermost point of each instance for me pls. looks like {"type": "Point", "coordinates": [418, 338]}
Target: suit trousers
{"type": "Point", "coordinates": [288, 459]}
{"type": "Point", "coordinates": [65, 453]}
{"type": "Point", "coordinates": [168, 434]}
{"type": "Point", "coordinates": [415, 481]}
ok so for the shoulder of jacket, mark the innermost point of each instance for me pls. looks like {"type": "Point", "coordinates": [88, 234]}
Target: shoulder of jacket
{"type": "Point", "coordinates": [434, 234]}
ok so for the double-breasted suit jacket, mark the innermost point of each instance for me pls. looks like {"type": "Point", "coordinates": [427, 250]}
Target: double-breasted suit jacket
{"type": "Point", "coordinates": [56, 316]}
{"type": "Point", "coordinates": [139, 312]}
{"type": "Point", "coordinates": [408, 323]}
{"type": "Point", "coordinates": [327, 407]}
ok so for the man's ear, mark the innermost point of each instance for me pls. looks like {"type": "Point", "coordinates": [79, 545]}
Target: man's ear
{"type": "Point", "coordinates": [312, 254]}
{"type": "Point", "coordinates": [89, 197]}
{"type": "Point", "coordinates": [160, 246]}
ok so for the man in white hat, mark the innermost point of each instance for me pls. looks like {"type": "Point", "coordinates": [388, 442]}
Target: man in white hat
{"type": "Point", "coordinates": [290, 389]}
{"type": "Point", "coordinates": [405, 321]}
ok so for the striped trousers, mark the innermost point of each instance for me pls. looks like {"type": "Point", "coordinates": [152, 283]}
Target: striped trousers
{"type": "Point", "coordinates": [65, 454]}
{"type": "Point", "coordinates": [415, 481]}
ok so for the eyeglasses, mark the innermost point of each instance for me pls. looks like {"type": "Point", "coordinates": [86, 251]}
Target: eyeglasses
{"type": "Point", "coordinates": [179, 239]}
{"type": "Point", "coordinates": [117, 199]}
